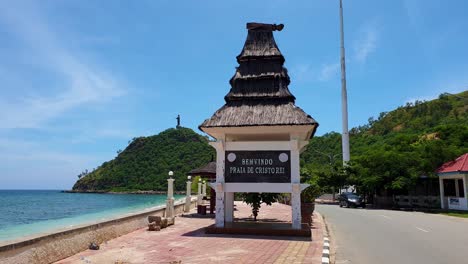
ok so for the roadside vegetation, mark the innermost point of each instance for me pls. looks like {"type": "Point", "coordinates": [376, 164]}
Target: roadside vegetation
{"type": "Point", "coordinates": [457, 214]}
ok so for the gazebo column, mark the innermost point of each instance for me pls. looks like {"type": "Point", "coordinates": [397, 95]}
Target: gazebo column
{"type": "Point", "coordinates": [295, 185]}
{"type": "Point", "coordinates": [442, 194]}
{"type": "Point", "coordinates": [219, 145]}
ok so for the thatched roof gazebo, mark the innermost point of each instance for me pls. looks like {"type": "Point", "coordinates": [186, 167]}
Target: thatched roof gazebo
{"type": "Point", "coordinates": [208, 171]}
{"type": "Point", "coordinates": [259, 131]}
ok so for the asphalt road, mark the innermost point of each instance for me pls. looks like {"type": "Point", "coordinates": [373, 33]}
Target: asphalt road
{"type": "Point", "coordinates": [368, 236]}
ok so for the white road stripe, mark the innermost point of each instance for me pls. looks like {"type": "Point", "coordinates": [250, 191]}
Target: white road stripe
{"type": "Point", "coordinates": [424, 230]}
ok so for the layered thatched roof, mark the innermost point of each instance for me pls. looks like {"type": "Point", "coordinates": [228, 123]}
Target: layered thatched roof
{"type": "Point", "coordinates": [209, 170]}
{"type": "Point", "coordinates": [259, 94]}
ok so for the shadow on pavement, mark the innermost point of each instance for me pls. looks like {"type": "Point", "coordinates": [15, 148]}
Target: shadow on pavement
{"type": "Point", "coordinates": [201, 233]}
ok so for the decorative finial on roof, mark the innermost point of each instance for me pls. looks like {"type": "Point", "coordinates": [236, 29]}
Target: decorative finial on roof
{"type": "Point", "coordinates": [264, 27]}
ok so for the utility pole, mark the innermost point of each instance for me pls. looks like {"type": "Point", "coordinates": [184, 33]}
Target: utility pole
{"type": "Point", "coordinates": [344, 95]}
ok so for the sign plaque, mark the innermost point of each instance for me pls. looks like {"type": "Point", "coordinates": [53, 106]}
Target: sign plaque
{"type": "Point", "coordinates": [258, 166]}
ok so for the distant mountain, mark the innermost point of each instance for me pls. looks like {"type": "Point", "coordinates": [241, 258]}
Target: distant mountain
{"type": "Point", "coordinates": [395, 149]}
{"type": "Point", "coordinates": [145, 163]}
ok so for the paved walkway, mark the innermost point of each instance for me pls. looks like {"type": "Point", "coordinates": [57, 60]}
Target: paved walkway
{"type": "Point", "coordinates": [186, 242]}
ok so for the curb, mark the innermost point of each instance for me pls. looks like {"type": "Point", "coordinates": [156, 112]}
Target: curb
{"type": "Point", "coordinates": [326, 245]}
{"type": "Point", "coordinates": [326, 251]}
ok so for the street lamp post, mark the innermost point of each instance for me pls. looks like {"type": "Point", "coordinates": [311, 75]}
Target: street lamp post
{"type": "Point", "coordinates": [170, 196]}
{"type": "Point", "coordinates": [188, 197]}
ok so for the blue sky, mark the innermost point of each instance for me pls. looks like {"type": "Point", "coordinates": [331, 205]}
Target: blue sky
{"type": "Point", "coordinates": [78, 79]}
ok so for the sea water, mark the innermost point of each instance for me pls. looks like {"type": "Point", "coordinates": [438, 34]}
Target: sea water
{"type": "Point", "coordinates": [32, 212]}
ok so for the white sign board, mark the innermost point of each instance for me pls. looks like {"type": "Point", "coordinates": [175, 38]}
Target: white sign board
{"type": "Point", "coordinates": [457, 203]}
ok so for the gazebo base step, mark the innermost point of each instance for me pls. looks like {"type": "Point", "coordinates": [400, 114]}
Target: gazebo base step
{"type": "Point", "coordinates": [260, 229]}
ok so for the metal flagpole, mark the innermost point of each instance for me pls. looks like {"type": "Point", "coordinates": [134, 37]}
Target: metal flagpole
{"type": "Point", "coordinates": [344, 96]}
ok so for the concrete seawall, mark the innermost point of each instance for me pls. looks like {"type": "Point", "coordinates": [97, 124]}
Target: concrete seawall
{"type": "Point", "coordinates": [63, 243]}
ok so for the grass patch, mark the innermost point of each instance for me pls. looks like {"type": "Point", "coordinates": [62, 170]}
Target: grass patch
{"type": "Point", "coordinates": [457, 214]}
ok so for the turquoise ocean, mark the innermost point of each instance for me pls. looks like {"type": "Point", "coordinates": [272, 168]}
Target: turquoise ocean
{"type": "Point", "coordinates": [32, 212]}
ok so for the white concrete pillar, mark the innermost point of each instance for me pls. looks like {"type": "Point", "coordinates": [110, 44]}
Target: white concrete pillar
{"type": "Point", "coordinates": [170, 198]}
{"type": "Point", "coordinates": [229, 211]}
{"type": "Point", "coordinates": [188, 195]}
{"type": "Point", "coordinates": [199, 187]}
{"type": "Point", "coordinates": [442, 198]}
{"type": "Point", "coordinates": [295, 182]}
{"type": "Point", "coordinates": [296, 206]}
{"type": "Point", "coordinates": [204, 188]}
{"type": "Point", "coordinates": [457, 188]}
{"type": "Point", "coordinates": [199, 193]}
{"type": "Point", "coordinates": [219, 145]}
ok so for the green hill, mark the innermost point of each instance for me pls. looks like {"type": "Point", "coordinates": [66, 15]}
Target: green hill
{"type": "Point", "coordinates": [144, 164]}
{"type": "Point", "coordinates": [393, 151]}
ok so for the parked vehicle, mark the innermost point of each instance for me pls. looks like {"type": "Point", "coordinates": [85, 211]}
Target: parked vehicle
{"type": "Point", "coordinates": [351, 200]}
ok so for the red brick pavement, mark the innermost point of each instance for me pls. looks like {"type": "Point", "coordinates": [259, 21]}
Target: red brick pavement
{"type": "Point", "coordinates": [186, 242]}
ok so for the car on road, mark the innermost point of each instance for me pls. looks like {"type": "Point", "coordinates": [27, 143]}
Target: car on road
{"type": "Point", "coordinates": [351, 200]}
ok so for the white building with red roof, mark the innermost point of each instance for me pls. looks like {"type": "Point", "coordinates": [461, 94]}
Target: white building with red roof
{"type": "Point", "coordinates": [453, 179]}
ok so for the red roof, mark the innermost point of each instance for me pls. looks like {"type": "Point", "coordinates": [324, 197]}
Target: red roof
{"type": "Point", "coordinates": [458, 165]}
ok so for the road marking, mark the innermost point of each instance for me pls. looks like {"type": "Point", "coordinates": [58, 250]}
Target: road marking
{"type": "Point", "coordinates": [424, 230]}
{"type": "Point", "coordinates": [386, 217]}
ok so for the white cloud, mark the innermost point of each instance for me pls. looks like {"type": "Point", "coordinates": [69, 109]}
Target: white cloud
{"type": "Point", "coordinates": [18, 150]}
{"type": "Point", "coordinates": [364, 45]}
{"type": "Point", "coordinates": [329, 71]}
{"type": "Point", "coordinates": [78, 81]}
{"type": "Point", "coordinates": [34, 165]}
{"type": "Point", "coordinates": [302, 72]}
{"type": "Point", "coordinates": [305, 72]}
{"type": "Point", "coordinates": [366, 42]}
